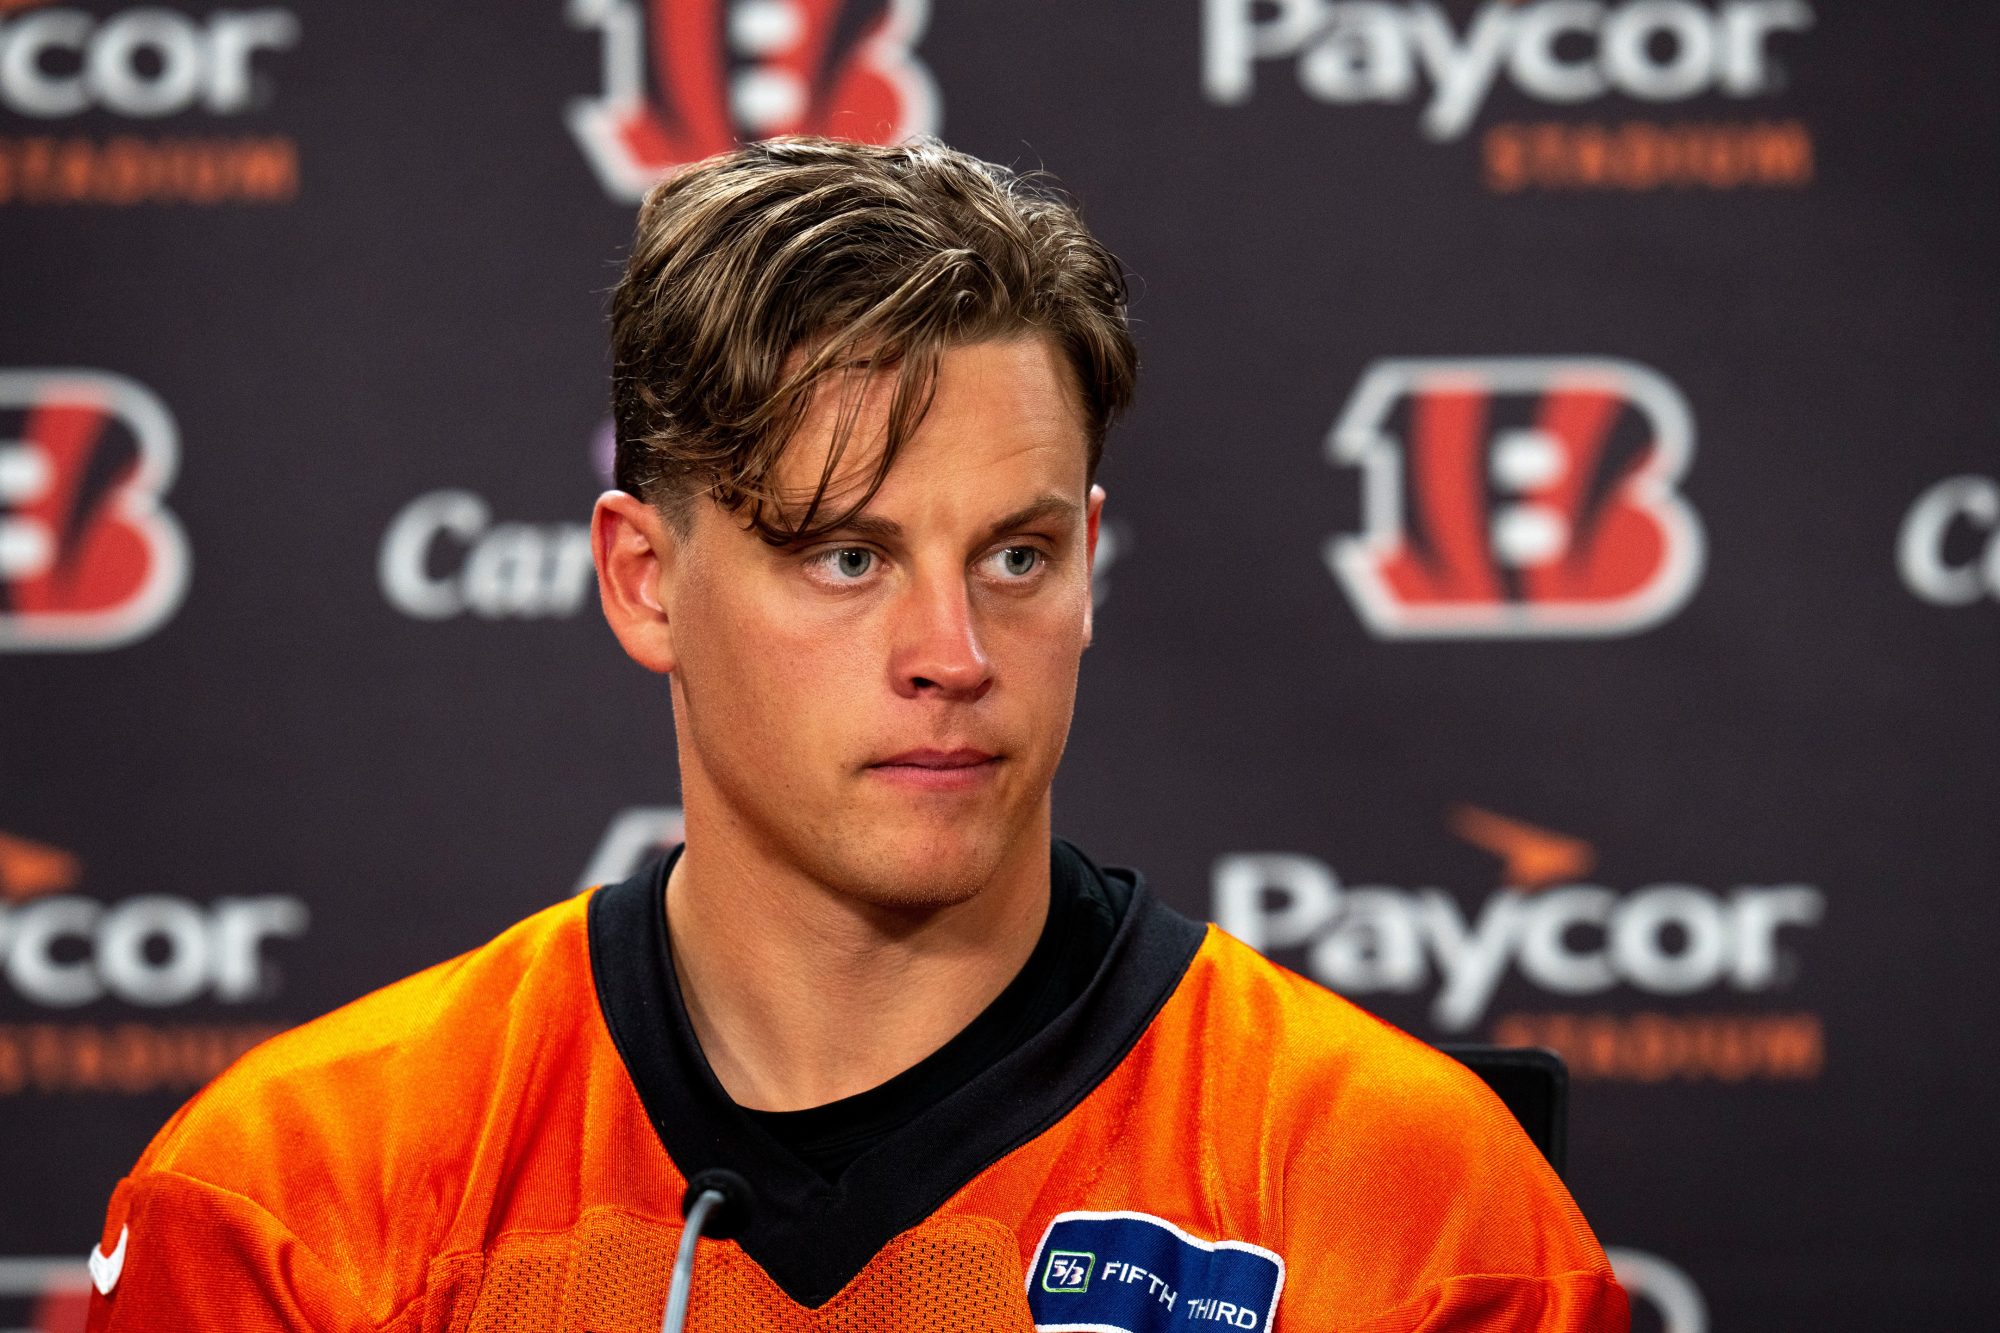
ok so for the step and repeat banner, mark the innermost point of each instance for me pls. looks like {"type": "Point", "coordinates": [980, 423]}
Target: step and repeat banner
{"type": "Point", "coordinates": [1550, 593]}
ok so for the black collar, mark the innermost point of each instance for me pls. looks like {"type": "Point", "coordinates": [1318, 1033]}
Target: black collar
{"type": "Point", "coordinates": [811, 1235]}
{"type": "Point", "coordinates": [1085, 907]}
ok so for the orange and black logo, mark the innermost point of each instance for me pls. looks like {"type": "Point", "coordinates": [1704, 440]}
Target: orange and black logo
{"type": "Point", "coordinates": [684, 79]}
{"type": "Point", "coordinates": [89, 556]}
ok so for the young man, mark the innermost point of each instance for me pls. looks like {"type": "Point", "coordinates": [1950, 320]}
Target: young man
{"type": "Point", "coordinates": [964, 1077]}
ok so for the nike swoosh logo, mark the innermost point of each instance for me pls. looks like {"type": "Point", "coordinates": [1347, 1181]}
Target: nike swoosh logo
{"type": "Point", "coordinates": [105, 1268]}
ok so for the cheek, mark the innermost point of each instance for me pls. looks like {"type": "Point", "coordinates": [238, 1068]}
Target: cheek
{"type": "Point", "coordinates": [769, 664]}
{"type": "Point", "coordinates": [1039, 646]}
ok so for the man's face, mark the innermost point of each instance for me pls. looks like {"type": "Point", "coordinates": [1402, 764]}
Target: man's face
{"type": "Point", "coordinates": [884, 707]}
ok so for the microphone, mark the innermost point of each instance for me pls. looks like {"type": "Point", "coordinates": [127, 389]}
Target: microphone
{"type": "Point", "coordinates": [729, 1216]}
{"type": "Point", "coordinates": [717, 1203]}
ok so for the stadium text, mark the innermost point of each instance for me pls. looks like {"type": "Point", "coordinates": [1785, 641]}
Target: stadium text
{"type": "Point", "coordinates": [1658, 1048]}
{"type": "Point", "coordinates": [127, 170]}
{"type": "Point", "coordinates": [1636, 155]}
{"type": "Point", "coordinates": [130, 1058]}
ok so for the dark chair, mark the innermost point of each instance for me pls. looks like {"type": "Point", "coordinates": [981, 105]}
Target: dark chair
{"type": "Point", "coordinates": [1535, 1085]}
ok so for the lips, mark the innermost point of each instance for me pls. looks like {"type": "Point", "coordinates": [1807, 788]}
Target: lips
{"type": "Point", "coordinates": [962, 758]}
{"type": "Point", "coordinates": [937, 770]}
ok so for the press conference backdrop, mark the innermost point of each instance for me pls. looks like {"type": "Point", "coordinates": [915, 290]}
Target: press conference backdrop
{"type": "Point", "coordinates": [1550, 591]}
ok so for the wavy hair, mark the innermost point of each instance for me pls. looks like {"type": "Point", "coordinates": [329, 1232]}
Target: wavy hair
{"type": "Point", "coordinates": [760, 273]}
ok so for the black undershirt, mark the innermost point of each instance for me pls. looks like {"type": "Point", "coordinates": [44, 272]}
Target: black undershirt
{"type": "Point", "coordinates": [1085, 907]}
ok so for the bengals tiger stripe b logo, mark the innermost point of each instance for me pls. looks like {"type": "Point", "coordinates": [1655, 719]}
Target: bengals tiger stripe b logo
{"type": "Point", "coordinates": [88, 557]}
{"type": "Point", "coordinates": [684, 79]}
{"type": "Point", "coordinates": [1516, 498]}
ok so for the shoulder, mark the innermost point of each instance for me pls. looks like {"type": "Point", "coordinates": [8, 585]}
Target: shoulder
{"type": "Point", "coordinates": [331, 1132]}
{"type": "Point", "coordinates": [1339, 1116]}
{"type": "Point", "coordinates": [1302, 1044]}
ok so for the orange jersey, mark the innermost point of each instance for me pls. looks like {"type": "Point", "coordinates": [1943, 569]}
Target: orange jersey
{"type": "Point", "coordinates": [1201, 1141]}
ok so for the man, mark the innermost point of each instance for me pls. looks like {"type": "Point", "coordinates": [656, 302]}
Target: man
{"type": "Point", "coordinates": [964, 1078]}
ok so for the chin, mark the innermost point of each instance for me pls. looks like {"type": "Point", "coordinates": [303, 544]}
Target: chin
{"type": "Point", "coordinates": [922, 868]}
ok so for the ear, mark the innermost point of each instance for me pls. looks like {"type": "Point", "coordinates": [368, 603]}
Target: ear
{"type": "Point", "coordinates": [1093, 511]}
{"type": "Point", "coordinates": [636, 551]}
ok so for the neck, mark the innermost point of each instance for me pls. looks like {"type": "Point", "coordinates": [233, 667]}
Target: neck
{"type": "Point", "coordinates": [801, 995]}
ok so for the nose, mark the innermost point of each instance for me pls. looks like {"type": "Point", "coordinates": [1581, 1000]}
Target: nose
{"type": "Point", "coordinates": [938, 652]}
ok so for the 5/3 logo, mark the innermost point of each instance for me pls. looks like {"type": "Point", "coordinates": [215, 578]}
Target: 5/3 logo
{"type": "Point", "coordinates": [1506, 498]}
{"type": "Point", "coordinates": [88, 557]}
{"type": "Point", "coordinates": [1068, 1270]}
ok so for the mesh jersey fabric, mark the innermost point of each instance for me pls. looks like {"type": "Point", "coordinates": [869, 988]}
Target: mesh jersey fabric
{"type": "Point", "coordinates": [466, 1151]}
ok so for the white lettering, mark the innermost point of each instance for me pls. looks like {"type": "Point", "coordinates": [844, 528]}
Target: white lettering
{"type": "Point", "coordinates": [1547, 957]}
{"type": "Point", "coordinates": [508, 570]}
{"type": "Point", "coordinates": [1674, 1301]}
{"type": "Point", "coordinates": [1374, 945]}
{"type": "Point", "coordinates": [403, 565]}
{"type": "Point", "coordinates": [233, 40]}
{"type": "Point", "coordinates": [119, 75]}
{"type": "Point", "coordinates": [1534, 63]}
{"type": "Point", "coordinates": [1639, 950]}
{"type": "Point", "coordinates": [240, 927]}
{"type": "Point", "coordinates": [1632, 50]}
{"type": "Point", "coordinates": [152, 950]}
{"type": "Point", "coordinates": [1971, 503]}
{"type": "Point", "coordinates": [181, 967]}
{"type": "Point", "coordinates": [1307, 896]}
{"type": "Point", "coordinates": [1362, 57]}
{"type": "Point", "coordinates": [145, 63]}
{"type": "Point", "coordinates": [30, 937]}
{"type": "Point", "coordinates": [1576, 939]}
{"type": "Point", "coordinates": [27, 84]}
{"type": "Point", "coordinates": [1471, 961]}
{"type": "Point", "coordinates": [1462, 73]}
{"type": "Point", "coordinates": [1746, 29]}
{"type": "Point", "coordinates": [1234, 38]}
{"type": "Point", "coordinates": [1757, 914]}
{"type": "Point", "coordinates": [1561, 51]}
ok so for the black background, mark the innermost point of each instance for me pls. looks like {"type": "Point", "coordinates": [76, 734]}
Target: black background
{"type": "Point", "coordinates": [428, 314]}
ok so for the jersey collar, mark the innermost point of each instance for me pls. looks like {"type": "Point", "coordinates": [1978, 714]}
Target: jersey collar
{"type": "Point", "coordinates": [811, 1235]}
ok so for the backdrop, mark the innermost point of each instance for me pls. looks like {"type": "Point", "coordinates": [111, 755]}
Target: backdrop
{"type": "Point", "coordinates": [1552, 593]}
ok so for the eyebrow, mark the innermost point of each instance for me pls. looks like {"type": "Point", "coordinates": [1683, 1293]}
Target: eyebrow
{"type": "Point", "coordinates": [877, 528]}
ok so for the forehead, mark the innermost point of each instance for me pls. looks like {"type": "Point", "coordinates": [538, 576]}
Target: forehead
{"type": "Point", "coordinates": [1002, 412]}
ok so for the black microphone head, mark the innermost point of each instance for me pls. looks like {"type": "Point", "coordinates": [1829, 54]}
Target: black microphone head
{"type": "Point", "coordinates": [729, 1217]}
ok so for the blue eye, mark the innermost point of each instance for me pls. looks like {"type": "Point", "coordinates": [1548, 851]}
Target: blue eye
{"type": "Point", "coordinates": [851, 562]}
{"type": "Point", "coordinates": [1020, 561]}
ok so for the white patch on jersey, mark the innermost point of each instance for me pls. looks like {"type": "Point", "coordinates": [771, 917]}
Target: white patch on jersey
{"type": "Point", "coordinates": [105, 1269]}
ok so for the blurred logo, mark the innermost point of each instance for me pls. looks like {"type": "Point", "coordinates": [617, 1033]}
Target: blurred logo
{"type": "Point", "coordinates": [89, 559]}
{"type": "Point", "coordinates": [1664, 1297]}
{"type": "Point", "coordinates": [39, 1295]}
{"type": "Point", "coordinates": [1560, 53]}
{"type": "Point", "coordinates": [1551, 928]}
{"type": "Point", "coordinates": [445, 556]}
{"type": "Point", "coordinates": [684, 79]}
{"type": "Point", "coordinates": [635, 836]}
{"type": "Point", "coordinates": [60, 949]}
{"type": "Point", "coordinates": [1949, 548]}
{"type": "Point", "coordinates": [1516, 499]}
{"type": "Point", "coordinates": [141, 65]}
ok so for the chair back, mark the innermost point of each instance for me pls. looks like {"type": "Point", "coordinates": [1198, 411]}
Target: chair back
{"type": "Point", "coordinates": [1534, 1083]}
